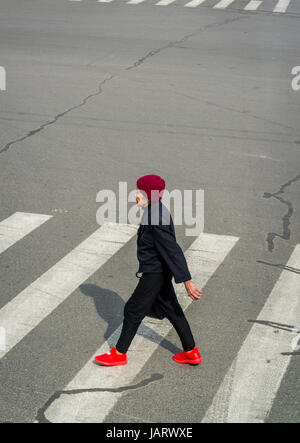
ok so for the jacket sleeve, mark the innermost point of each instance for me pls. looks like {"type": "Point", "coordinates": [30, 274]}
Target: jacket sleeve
{"type": "Point", "coordinates": [171, 253]}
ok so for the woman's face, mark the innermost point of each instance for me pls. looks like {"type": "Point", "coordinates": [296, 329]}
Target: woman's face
{"type": "Point", "coordinates": [141, 198]}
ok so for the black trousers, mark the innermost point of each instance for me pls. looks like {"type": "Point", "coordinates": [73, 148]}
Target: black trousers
{"type": "Point", "coordinates": [154, 293]}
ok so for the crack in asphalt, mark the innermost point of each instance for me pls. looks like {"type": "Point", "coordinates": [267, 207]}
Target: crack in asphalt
{"type": "Point", "coordinates": [242, 112]}
{"type": "Point", "coordinates": [286, 232]}
{"type": "Point", "coordinates": [100, 90]}
{"type": "Point", "coordinates": [173, 44]}
{"type": "Point", "coordinates": [280, 266]}
{"type": "Point", "coordinates": [275, 325]}
{"type": "Point", "coordinates": [41, 417]}
{"type": "Point", "coordinates": [283, 327]}
{"type": "Point", "coordinates": [58, 116]}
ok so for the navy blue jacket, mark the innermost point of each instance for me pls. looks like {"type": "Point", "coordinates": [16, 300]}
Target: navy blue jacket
{"type": "Point", "coordinates": [157, 248]}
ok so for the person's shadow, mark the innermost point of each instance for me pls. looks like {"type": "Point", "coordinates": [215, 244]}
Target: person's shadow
{"type": "Point", "coordinates": [110, 306]}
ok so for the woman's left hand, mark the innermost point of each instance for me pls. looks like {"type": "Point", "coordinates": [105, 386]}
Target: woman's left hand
{"type": "Point", "coordinates": [192, 290]}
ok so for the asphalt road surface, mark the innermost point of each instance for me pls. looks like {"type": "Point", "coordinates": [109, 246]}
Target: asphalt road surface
{"type": "Point", "coordinates": [99, 93]}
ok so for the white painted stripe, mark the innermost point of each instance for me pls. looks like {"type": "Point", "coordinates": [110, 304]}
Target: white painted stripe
{"type": "Point", "coordinates": [135, 2]}
{"type": "Point", "coordinates": [282, 6]}
{"type": "Point", "coordinates": [194, 3]}
{"type": "Point", "coordinates": [164, 2]}
{"type": "Point", "coordinates": [204, 256]}
{"type": "Point", "coordinates": [40, 298]}
{"type": "Point", "coordinates": [253, 5]}
{"type": "Point", "coordinates": [105, 1]}
{"type": "Point", "coordinates": [248, 390]}
{"type": "Point", "coordinates": [17, 226]}
{"type": "Point", "coordinates": [223, 4]}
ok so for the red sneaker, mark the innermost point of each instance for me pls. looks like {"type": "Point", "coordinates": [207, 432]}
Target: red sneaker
{"type": "Point", "coordinates": [194, 357]}
{"type": "Point", "coordinates": [111, 358]}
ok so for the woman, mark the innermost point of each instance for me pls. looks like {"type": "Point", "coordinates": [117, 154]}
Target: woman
{"type": "Point", "coordinates": [160, 259]}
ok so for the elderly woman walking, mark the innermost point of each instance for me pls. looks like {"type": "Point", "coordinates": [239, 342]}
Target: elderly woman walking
{"type": "Point", "coordinates": [160, 259]}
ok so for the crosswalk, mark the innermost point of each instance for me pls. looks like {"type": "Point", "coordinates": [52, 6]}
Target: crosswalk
{"type": "Point", "coordinates": [250, 386]}
{"type": "Point", "coordinates": [204, 257]}
{"type": "Point", "coordinates": [40, 298]}
{"type": "Point", "coordinates": [241, 395]}
{"type": "Point", "coordinates": [275, 6]}
{"type": "Point", "coordinates": [17, 226]}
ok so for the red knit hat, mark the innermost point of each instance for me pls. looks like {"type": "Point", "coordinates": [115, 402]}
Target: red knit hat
{"type": "Point", "coordinates": [150, 183]}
